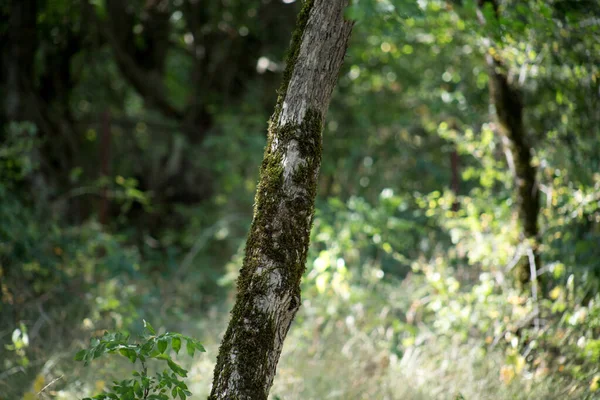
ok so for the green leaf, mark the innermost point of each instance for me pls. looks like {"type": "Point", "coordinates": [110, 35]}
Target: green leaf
{"type": "Point", "coordinates": [129, 353]}
{"type": "Point", "coordinates": [98, 351]}
{"type": "Point", "coordinates": [138, 389]}
{"type": "Point", "coordinates": [149, 327]}
{"type": "Point", "coordinates": [147, 347]}
{"type": "Point", "coordinates": [162, 345]}
{"type": "Point", "coordinates": [176, 344]}
{"type": "Point", "coordinates": [80, 356]}
{"type": "Point", "coordinates": [199, 347]}
{"type": "Point", "coordinates": [162, 356]}
{"type": "Point", "coordinates": [177, 369]}
{"type": "Point", "coordinates": [189, 346]}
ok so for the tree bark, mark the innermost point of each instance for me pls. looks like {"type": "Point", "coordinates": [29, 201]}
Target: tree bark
{"type": "Point", "coordinates": [269, 282]}
{"type": "Point", "coordinates": [507, 101]}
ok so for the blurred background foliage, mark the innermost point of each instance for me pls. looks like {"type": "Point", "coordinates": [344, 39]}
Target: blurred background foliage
{"type": "Point", "coordinates": [131, 138]}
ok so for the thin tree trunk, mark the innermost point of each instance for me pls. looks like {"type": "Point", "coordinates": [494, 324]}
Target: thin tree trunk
{"type": "Point", "coordinates": [508, 104]}
{"type": "Point", "coordinates": [105, 157]}
{"type": "Point", "coordinates": [269, 284]}
{"type": "Point", "coordinates": [455, 168]}
{"type": "Point", "coordinates": [18, 59]}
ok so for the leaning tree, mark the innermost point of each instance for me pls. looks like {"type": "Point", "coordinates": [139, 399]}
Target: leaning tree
{"type": "Point", "coordinates": [268, 287]}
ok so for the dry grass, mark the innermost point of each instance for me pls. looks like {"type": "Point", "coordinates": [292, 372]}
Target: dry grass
{"type": "Point", "coordinates": [337, 359]}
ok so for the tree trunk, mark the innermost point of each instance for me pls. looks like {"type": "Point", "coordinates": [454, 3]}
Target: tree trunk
{"type": "Point", "coordinates": [269, 283]}
{"type": "Point", "coordinates": [18, 59]}
{"type": "Point", "coordinates": [455, 184]}
{"type": "Point", "coordinates": [105, 158]}
{"type": "Point", "coordinates": [509, 114]}
{"type": "Point", "coordinates": [508, 105]}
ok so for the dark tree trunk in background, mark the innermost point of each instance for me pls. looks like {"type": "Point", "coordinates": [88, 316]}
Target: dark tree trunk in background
{"type": "Point", "coordinates": [105, 166]}
{"type": "Point", "coordinates": [509, 115]}
{"type": "Point", "coordinates": [508, 104]}
{"type": "Point", "coordinates": [269, 283]}
{"type": "Point", "coordinates": [41, 96]}
{"type": "Point", "coordinates": [18, 59]}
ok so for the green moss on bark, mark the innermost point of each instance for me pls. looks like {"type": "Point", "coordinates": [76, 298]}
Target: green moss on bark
{"type": "Point", "coordinates": [277, 245]}
{"type": "Point", "coordinates": [509, 114]}
{"type": "Point", "coordinates": [282, 222]}
{"type": "Point", "coordinates": [278, 240]}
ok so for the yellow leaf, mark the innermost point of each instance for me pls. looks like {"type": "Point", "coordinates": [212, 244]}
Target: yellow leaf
{"type": "Point", "coordinates": [519, 364]}
{"type": "Point", "coordinates": [38, 384]}
{"type": "Point", "coordinates": [595, 384]}
{"type": "Point", "coordinates": [29, 396]}
{"type": "Point", "coordinates": [507, 373]}
{"type": "Point", "coordinates": [387, 248]}
{"type": "Point", "coordinates": [100, 386]}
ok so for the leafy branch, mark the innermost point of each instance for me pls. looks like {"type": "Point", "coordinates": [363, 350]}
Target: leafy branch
{"type": "Point", "coordinates": [151, 346]}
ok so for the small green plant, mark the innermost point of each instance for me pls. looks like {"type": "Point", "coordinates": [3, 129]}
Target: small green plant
{"type": "Point", "coordinates": [151, 346]}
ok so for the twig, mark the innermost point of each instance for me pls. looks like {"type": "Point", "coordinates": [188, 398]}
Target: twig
{"type": "Point", "coordinates": [534, 286]}
{"type": "Point", "coordinates": [546, 268]}
{"type": "Point", "coordinates": [44, 318]}
{"type": "Point", "coordinates": [516, 258]}
{"type": "Point", "coordinates": [520, 324]}
{"type": "Point", "coordinates": [49, 384]}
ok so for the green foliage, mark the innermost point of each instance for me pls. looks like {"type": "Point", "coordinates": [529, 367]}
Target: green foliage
{"type": "Point", "coordinates": [18, 152]}
{"type": "Point", "coordinates": [45, 264]}
{"type": "Point", "coordinates": [151, 346]}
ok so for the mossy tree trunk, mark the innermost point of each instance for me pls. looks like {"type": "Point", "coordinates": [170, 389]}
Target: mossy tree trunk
{"type": "Point", "coordinates": [506, 98]}
{"type": "Point", "coordinates": [269, 283]}
{"type": "Point", "coordinates": [509, 115]}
